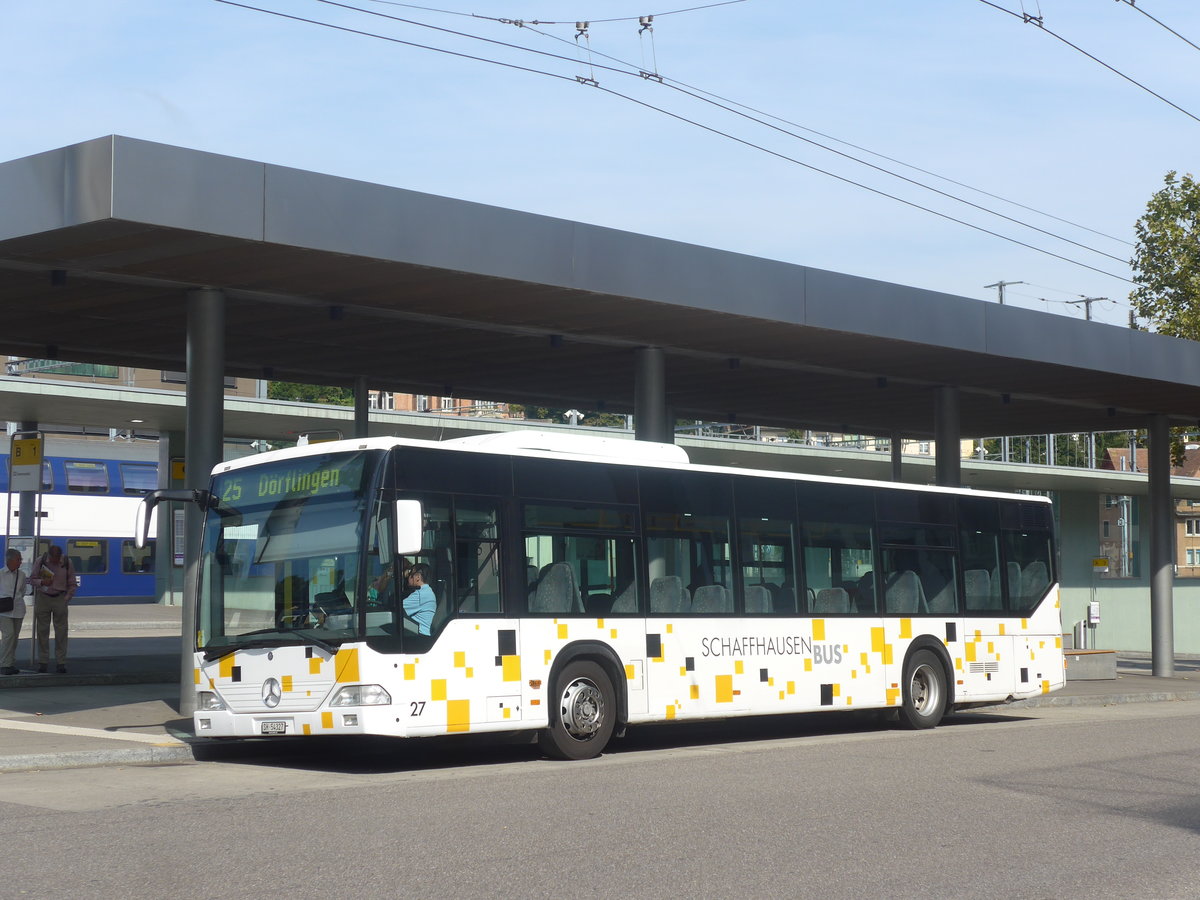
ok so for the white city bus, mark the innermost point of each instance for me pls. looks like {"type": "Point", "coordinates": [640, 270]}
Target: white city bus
{"type": "Point", "coordinates": [581, 585]}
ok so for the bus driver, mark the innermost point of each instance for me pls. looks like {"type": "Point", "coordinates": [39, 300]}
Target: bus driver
{"type": "Point", "coordinates": [420, 603]}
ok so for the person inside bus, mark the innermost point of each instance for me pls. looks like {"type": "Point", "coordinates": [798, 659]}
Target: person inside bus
{"type": "Point", "coordinates": [53, 590]}
{"type": "Point", "coordinates": [12, 610]}
{"type": "Point", "coordinates": [420, 604]}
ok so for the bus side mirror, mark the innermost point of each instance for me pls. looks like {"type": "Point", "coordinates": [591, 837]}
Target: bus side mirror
{"type": "Point", "coordinates": [409, 519]}
{"type": "Point", "coordinates": [145, 509]}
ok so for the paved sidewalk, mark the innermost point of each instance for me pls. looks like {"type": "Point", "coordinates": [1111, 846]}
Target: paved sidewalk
{"type": "Point", "coordinates": [118, 703]}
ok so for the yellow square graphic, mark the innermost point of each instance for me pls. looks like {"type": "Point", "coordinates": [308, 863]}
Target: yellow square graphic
{"type": "Point", "coordinates": [905, 629]}
{"type": "Point", "coordinates": [791, 687]}
{"type": "Point", "coordinates": [286, 684]}
{"type": "Point", "coordinates": [808, 664]}
{"type": "Point", "coordinates": [458, 715]}
{"type": "Point", "coordinates": [314, 666]}
{"type": "Point", "coordinates": [600, 623]}
{"type": "Point", "coordinates": [346, 663]}
{"type": "Point", "coordinates": [724, 688]}
{"type": "Point", "coordinates": [460, 659]}
{"type": "Point", "coordinates": [877, 640]}
{"type": "Point", "coordinates": [195, 676]}
{"type": "Point", "coordinates": [738, 667]}
{"type": "Point", "coordinates": [307, 728]}
{"type": "Point", "coordinates": [410, 672]}
{"type": "Point", "coordinates": [971, 652]}
{"type": "Point", "coordinates": [470, 672]}
{"type": "Point", "coordinates": [893, 696]}
{"type": "Point", "coordinates": [326, 720]}
{"type": "Point", "coordinates": [225, 669]}
{"type": "Point", "coordinates": [818, 629]}
{"type": "Point", "coordinates": [437, 689]}
{"type": "Point", "coordinates": [510, 667]}
{"type": "Point", "coordinates": [695, 692]}
{"type": "Point", "coordinates": [837, 690]}
{"type": "Point", "coordinates": [613, 634]}
{"type": "Point", "coordinates": [1002, 628]}
{"type": "Point", "coordinates": [562, 632]}
{"type": "Point", "coordinates": [547, 657]}
{"type": "Point", "coordinates": [670, 714]}
{"type": "Point", "coordinates": [630, 673]}
{"type": "Point", "coordinates": [670, 629]}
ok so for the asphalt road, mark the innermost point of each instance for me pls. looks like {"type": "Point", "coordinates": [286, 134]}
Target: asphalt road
{"type": "Point", "coordinates": [1051, 802]}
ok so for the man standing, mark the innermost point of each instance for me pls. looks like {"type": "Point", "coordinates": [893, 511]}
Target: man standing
{"type": "Point", "coordinates": [12, 610]}
{"type": "Point", "coordinates": [52, 592]}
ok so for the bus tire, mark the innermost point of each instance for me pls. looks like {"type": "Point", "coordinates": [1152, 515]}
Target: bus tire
{"type": "Point", "coordinates": [583, 712]}
{"type": "Point", "coordinates": [925, 694]}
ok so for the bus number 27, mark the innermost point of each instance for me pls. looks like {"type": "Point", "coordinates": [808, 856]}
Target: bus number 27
{"type": "Point", "coordinates": [418, 707]}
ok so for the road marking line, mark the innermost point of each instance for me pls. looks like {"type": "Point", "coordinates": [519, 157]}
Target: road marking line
{"type": "Point", "coordinates": [161, 740]}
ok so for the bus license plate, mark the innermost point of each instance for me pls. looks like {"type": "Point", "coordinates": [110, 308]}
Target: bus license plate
{"type": "Point", "coordinates": [274, 727]}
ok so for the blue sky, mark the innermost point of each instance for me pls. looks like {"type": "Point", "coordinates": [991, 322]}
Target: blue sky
{"type": "Point", "coordinates": [957, 88]}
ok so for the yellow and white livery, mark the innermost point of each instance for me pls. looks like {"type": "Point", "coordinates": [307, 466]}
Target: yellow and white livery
{"type": "Point", "coordinates": [576, 586]}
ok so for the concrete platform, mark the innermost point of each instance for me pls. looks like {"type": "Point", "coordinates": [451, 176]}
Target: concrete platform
{"type": "Point", "coordinates": [1091, 665]}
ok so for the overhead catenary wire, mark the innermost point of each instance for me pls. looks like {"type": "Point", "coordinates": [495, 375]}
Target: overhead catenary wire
{"type": "Point", "coordinates": [1132, 4]}
{"type": "Point", "coordinates": [1037, 20]}
{"type": "Point", "coordinates": [674, 81]}
{"type": "Point", "coordinates": [650, 106]}
{"type": "Point", "coordinates": [704, 99]}
{"type": "Point", "coordinates": [512, 21]}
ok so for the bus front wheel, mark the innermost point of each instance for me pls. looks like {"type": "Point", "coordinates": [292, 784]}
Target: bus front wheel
{"type": "Point", "coordinates": [924, 690]}
{"type": "Point", "coordinates": [582, 712]}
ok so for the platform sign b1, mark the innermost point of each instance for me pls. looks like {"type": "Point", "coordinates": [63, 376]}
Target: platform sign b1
{"type": "Point", "coordinates": [25, 464]}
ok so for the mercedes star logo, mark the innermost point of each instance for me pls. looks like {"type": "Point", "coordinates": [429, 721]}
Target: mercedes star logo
{"type": "Point", "coordinates": [272, 693]}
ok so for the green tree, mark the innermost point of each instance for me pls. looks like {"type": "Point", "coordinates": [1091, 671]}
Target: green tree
{"type": "Point", "coordinates": [1166, 259]}
{"type": "Point", "coordinates": [310, 393]}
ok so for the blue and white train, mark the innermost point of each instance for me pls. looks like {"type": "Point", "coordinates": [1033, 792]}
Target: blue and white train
{"type": "Point", "coordinates": [90, 491]}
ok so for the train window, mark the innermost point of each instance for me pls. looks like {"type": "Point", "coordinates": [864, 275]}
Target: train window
{"type": "Point", "coordinates": [137, 561]}
{"type": "Point", "coordinates": [139, 478]}
{"type": "Point", "coordinates": [47, 476]}
{"type": "Point", "coordinates": [88, 557]}
{"type": "Point", "coordinates": [85, 477]}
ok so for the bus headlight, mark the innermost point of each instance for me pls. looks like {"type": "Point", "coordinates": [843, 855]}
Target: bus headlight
{"type": "Point", "coordinates": [208, 700]}
{"type": "Point", "coordinates": [361, 695]}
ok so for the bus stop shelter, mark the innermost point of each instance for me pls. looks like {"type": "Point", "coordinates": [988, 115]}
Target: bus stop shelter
{"type": "Point", "coordinates": [123, 251]}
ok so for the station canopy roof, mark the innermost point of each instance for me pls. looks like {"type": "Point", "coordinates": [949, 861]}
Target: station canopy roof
{"type": "Point", "coordinates": [328, 279]}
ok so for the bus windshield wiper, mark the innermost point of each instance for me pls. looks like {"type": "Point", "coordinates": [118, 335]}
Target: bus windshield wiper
{"type": "Point", "coordinates": [281, 639]}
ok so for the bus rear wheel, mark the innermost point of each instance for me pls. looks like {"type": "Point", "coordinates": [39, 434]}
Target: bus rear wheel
{"type": "Point", "coordinates": [582, 712]}
{"type": "Point", "coordinates": [924, 690]}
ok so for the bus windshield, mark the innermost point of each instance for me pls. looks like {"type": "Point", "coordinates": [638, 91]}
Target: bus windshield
{"type": "Point", "coordinates": [280, 562]}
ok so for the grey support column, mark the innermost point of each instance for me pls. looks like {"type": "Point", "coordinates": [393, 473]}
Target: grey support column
{"type": "Point", "coordinates": [897, 456]}
{"type": "Point", "coordinates": [948, 437]}
{"type": "Point", "coordinates": [650, 419]}
{"type": "Point", "coordinates": [205, 437]}
{"type": "Point", "coordinates": [362, 407]}
{"type": "Point", "coordinates": [1162, 551]}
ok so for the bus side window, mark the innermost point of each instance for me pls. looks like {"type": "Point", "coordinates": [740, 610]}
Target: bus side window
{"type": "Point", "coordinates": [687, 522]}
{"type": "Point", "coordinates": [580, 559]}
{"type": "Point", "coordinates": [838, 525]}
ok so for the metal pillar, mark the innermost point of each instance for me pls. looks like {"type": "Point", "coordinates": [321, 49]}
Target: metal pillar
{"type": "Point", "coordinates": [897, 454]}
{"type": "Point", "coordinates": [362, 407]}
{"type": "Point", "coordinates": [1162, 551]}
{"type": "Point", "coordinates": [650, 419]}
{"type": "Point", "coordinates": [948, 437]}
{"type": "Point", "coordinates": [205, 437]}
